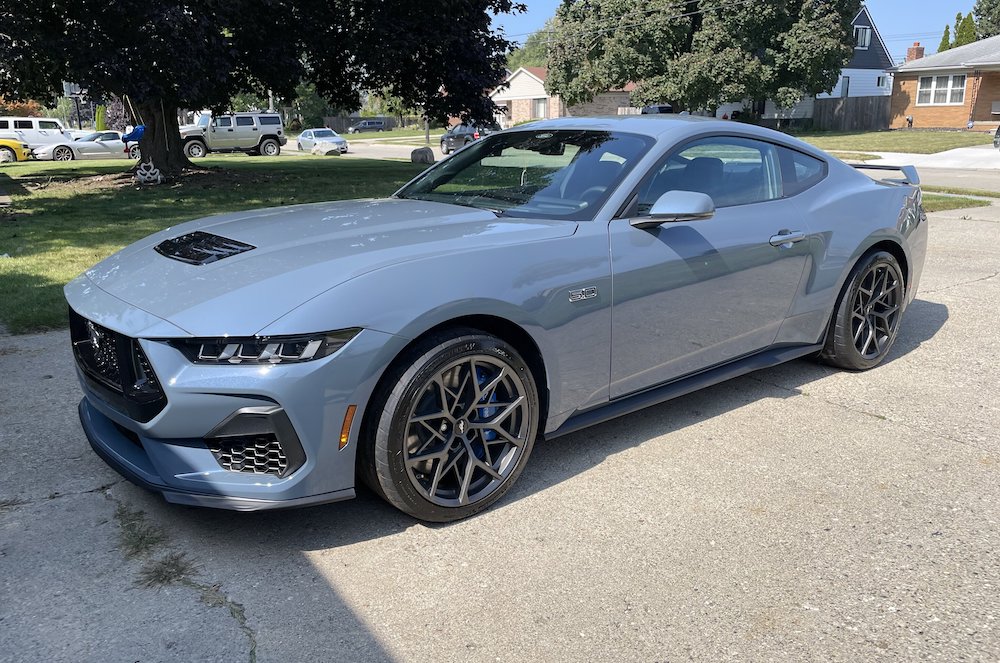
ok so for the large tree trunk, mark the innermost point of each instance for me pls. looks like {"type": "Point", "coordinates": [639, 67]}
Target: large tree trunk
{"type": "Point", "coordinates": [162, 151]}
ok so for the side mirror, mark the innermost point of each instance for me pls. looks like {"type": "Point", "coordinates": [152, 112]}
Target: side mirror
{"type": "Point", "coordinates": [676, 206]}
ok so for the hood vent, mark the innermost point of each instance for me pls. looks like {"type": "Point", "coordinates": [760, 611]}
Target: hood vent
{"type": "Point", "coordinates": [201, 248]}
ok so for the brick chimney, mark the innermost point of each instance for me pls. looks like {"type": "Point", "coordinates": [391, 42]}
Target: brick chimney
{"type": "Point", "coordinates": [915, 52]}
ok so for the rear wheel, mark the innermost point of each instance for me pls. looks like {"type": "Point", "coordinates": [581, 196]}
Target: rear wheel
{"type": "Point", "coordinates": [195, 149]}
{"type": "Point", "coordinates": [269, 147]}
{"type": "Point", "coordinates": [444, 147]}
{"type": "Point", "coordinates": [7, 155]}
{"type": "Point", "coordinates": [868, 314]}
{"type": "Point", "coordinates": [62, 153]}
{"type": "Point", "coordinates": [452, 429]}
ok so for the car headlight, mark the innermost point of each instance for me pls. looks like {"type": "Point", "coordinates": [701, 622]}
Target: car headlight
{"type": "Point", "coordinates": [264, 349]}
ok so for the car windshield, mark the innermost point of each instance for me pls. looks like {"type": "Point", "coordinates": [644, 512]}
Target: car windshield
{"type": "Point", "coordinates": [324, 133]}
{"type": "Point", "coordinates": [544, 174]}
{"type": "Point", "coordinates": [204, 120]}
{"type": "Point", "coordinates": [93, 136]}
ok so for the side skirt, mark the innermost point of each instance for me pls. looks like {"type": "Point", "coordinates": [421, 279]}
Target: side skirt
{"type": "Point", "coordinates": [682, 386]}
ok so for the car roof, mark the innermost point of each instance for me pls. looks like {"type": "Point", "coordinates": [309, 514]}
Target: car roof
{"type": "Point", "coordinates": [665, 125]}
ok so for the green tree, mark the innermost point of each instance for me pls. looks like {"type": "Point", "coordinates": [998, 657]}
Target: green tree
{"type": "Point", "coordinates": [310, 106]}
{"type": "Point", "coordinates": [535, 50]}
{"type": "Point", "coordinates": [945, 39]}
{"type": "Point", "coordinates": [987, 18]}
{"type": "Point", "coordinates": [172, 53]}
{"type": "Point", "coordinates": [966, 31]}
{"type": "Point", "coordinates": [700, 55]}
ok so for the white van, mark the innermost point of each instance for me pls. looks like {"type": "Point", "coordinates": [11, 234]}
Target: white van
{"type": "Point", "coordinates": [35, 131]}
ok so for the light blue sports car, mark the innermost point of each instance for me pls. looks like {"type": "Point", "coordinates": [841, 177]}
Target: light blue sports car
{"type": "Point", "coordinates": [541, 280]}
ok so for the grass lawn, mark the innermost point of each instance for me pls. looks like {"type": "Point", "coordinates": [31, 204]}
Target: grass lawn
{"type": "Point", "coordinates": [913, 142]}
{"type": "Point", "coordinates": [852, 157]}
{"type": "Point", "coordinates": [68, 216]}
{"type": "Point", "coordinates": [934, 203]}
{"type": "Point", "coordinates": [959, 191]}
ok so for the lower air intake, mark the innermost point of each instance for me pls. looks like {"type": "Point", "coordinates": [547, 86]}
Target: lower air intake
{"type": "Point", "coordinates": [258, 454]}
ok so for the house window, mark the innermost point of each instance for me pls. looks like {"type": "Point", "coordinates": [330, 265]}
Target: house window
{"type": "Point", "coordinates": [941, 90]}
{"type": "Point", "coordinates": [862, 37]}
{"type": "Point", "coordinates": [540, 108]}
{"type": "Point", "coordinates": [880, 82]}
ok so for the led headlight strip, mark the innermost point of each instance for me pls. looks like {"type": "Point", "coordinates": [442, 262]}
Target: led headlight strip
{"type": "Point", "coordinates": [264, 349]}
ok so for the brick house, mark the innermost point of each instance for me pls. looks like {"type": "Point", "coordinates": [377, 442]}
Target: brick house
{"type": "Point", "coordinates": [950, 89]}
{"type": "Point", "coordinates": [524, 98]}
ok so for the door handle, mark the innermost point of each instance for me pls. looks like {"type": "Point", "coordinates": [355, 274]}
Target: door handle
{"type": "Point", "coordinates": [228, 129]}
{"type": "Point", "coordinates": [787, 237]}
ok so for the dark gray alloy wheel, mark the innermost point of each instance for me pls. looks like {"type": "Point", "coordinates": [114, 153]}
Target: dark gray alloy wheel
{"type": "Point", "coordinates": [456, 427]}
{"type": "Point", "coordinates": [868, 314]}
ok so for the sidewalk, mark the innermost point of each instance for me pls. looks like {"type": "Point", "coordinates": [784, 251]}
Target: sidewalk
{"type": "Point", "coordinates": [983, 157]}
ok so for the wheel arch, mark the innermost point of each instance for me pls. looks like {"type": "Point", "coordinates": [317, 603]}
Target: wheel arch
{"type": "Point", "coordinates": [504, 329]}
{"type": "Point", "coordinates": [897, 251]}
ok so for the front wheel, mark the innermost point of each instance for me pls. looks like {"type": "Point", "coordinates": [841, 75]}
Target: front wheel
{"type": "Point", "coordinates": [866, 321]}
{"type": "Point", "coordinates": [7, 155]}
{"type": "Point", "coordinates": [195, 149]}
{"type": "Point", "coordinates": [444, 148]}
{"type": "Point", "coordinates": [269, 147]}
{"type": "Point", "coordinates": [133, 152]}
{"type": "Point", "coordinates": [62, 154]}
{"type": "Point", "coordinates": [453, 428]}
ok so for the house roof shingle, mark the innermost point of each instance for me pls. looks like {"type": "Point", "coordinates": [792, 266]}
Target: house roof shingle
{"type": "Point", "coordinates": [980, 53]}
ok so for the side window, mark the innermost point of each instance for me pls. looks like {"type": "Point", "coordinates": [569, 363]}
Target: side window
{"type": "Point", "coordinates": [42, 124]}
{"type": "Point", "coordinates": [730, 170]}
{"type": "Point", "coordinates": [799, 171]}
{"type": "Point", "coordinates": [4, 124]}
{"type": "Point", "coordinates": [110, 136]}
{"type": "Point", "coordinates": [22, 124]}
{"type": "Point", "coordinates": [270, 119]}
{"type": "Point", "coordinates": [223, 121]}
{"type": "Point", "coordinates": [307, 135]}
{"type": "Point", "coordinates": [244, 121]}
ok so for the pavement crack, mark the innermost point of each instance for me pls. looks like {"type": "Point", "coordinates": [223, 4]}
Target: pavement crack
{"type": "Point", "coordinates": [163, 566]}
{"type": "Point", "coordinates": [13, 503]}
{"type": "Point", "coordinates": [963, 283]}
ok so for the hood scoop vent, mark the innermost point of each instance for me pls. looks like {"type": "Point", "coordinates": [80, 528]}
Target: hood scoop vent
{"type": "Point", "coordinates": [201, 248]}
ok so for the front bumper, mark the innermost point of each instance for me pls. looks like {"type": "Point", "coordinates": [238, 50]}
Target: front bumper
{"type": "Point", "coordinates": [176, 453]}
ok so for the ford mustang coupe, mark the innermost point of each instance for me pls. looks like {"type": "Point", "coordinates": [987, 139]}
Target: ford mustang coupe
{"type": "Point", "coordinates": [539, 281]}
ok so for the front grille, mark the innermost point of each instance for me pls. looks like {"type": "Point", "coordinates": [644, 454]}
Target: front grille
{"type": "Point", "coordinates": [258, 454]}
{"type": "Point", "coordinates": [116, 369]}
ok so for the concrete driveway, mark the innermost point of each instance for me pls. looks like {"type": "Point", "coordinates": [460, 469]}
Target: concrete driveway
{"type": "Point", "coordinates": [799, 513]}
{"type": "Point", "coordinates": [982, 157]}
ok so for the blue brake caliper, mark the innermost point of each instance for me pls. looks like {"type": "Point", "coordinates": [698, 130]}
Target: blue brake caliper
{"type": "Point", "coordinates": [486, 412]}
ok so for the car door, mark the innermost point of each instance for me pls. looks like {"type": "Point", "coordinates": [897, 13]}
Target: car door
{"type": "Point", "coordinates": [220, 133]}
{"type": "Point", "coordinates": [305, 140]}
{"type": "Point", "coordinates": [694, 294]}
{"type": "Point", "coordinates": [247, 133]}
{"type": "Point", "coordinates": [111, 146]}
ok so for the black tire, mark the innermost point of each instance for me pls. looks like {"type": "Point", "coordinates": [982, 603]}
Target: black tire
{"type": "Point", "coordinates": [444, 147]}
{"type": "Point", "coordinates": [63, 153]}
{"type": "Point", "coordinates": [7, 155]}
{"type": "Point", "coordinates": [869, 310]}
{"type": "Point", "coordinates": [195, 149]}
{"type": "Point", "coordinates": [432, 465]}
{"type": "Point", "coordinates": [269, 148]}
{"type": "Point", "coordinates": [298, 146]}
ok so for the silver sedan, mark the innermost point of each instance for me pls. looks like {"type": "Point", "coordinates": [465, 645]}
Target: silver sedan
{"type": "Point", "coordinates": [96, 145]}
{"type": "Point", "coordinates": [312, 137]}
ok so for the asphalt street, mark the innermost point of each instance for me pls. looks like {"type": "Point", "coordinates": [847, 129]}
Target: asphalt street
{"type": "Point", "coordinates": [798, 513]}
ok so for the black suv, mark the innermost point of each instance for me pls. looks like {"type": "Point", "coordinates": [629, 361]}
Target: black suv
{"type": "Point", "coordinates": [461, 135]}
{"type": "Point", "coordinates": [366, 125]}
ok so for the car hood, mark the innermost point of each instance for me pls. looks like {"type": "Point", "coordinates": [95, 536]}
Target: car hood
{"type": "Point", "coordinates": [299, 252]}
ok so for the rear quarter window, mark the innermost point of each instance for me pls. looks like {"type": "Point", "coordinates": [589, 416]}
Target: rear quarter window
{"type": "Point", "coordinates": [799, 171]}
{"type": "Point", "coordinates": [4, 124]}
{"type": "Point", "coordinates": [22, 124]}
{"type": "Point", "coordinates": [270, 119]}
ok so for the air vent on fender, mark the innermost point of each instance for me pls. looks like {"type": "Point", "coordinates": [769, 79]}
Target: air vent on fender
{"type": "Point", "coordinates": [201, 248]}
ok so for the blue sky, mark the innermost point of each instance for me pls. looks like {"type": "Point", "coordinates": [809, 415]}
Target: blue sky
{"type": "Point", "coordinates": [901, 22]}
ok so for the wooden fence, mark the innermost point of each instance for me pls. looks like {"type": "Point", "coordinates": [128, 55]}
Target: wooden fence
{"type": "Point", "coordinates": [852, 114]}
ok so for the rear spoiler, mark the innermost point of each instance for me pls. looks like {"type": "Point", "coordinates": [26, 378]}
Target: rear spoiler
{"type": "Point", "coordinates": [910, 175]}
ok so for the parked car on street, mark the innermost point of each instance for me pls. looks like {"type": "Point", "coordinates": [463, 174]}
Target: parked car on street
{"type": "Point", "coordinates": [95, 145]}
{"type": "Point", "coordinates": [461, 135]}
{"type": "Point", "coordinates": [13, 150]}
{"type": "Point", "coordinates": [35, 131]}
{"type": "Point", "coordinates": [252, 133]}
{"type": "Point", "coordinates": [266, 358]}
{"type": "Point", "coordinates": [366, 125]}
{"type": "Point", "coordinates": [310, 137]}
